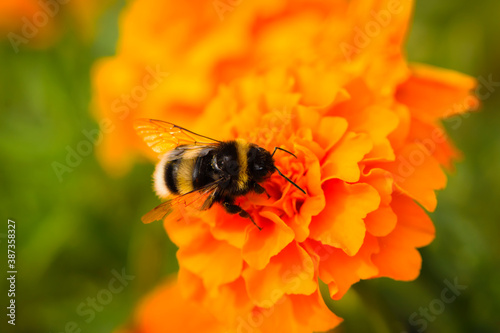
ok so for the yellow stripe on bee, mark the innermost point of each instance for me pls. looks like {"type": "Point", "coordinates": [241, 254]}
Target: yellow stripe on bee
{"type": "Point", "coordinates": [242, 147]}
{"type": "Point", "coordinates": [184, 177]}
{"type": "Point", "coordinates": [160, 184]}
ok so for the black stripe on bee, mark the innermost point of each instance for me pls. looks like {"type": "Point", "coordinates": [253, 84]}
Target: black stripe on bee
{"type": "Point", "coordinates": [203, 171]}
{"type": "Point", "coordinates": [171, 171]}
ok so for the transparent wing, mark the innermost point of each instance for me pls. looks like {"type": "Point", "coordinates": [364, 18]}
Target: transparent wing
{"type": "Point", "coordinates": [163, 136]}
{"type": "Point", "coordinates": [159, 212]}
{"type": "Point", "coordinates": [177, 207]}
{"type": "Point", "coordinates": [198, 151]}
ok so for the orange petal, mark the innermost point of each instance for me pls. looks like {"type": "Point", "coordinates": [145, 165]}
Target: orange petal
{"type": "Point", "coordinates": [414, 224]}
{"type": "Point", "coordinates": [433, 138]}
{"type": "Point", "coordinates": [398, 258]}
{"type": "Point", "coordinates": [341, 223]}
{"type": "Point", "coordinates": [341, 271]}
{"type": "Point", "coordinates": [114, 79]}
{"type": "Point", "coordinates": [395, 29]}
{"type": "Point", "coordinates": [261, 245]}
{"type": "Point", "coordinates": [382, 181]}
{"type": "Point", "coordinates": [165, 310]}
{"type": "Point", "coordinates": [433, 93]}
{"type": "Point", "coordinates": [365, 113]}
{"type": "Point", "coordinates": [319, 87]}
{"type": "Point", "coordinates": [342, 161]}
{"type": "Point", "coordinates": [185, 231]}
{"type": "Point", "coordinates": [289, 272]}
{"type": "Point", "coordinates": [216, 301]}
{"type": "Point", "coordinates": [413, 164]}
{"type": "Point", "coordinates": [229, 302]}
{"type": "Point", "coordinates": [383, 220]}
{"type": "Point", "coordinates": [294, 313]}
{"type": "Point", "coordinates": [378, 123]}
{"type": "Point", "coordinates": [399, 137]}
{"type": "Point", "coordinates": [329, 131]}
{"type": "Point", "coordinates": [216, 262]}
{"type": "Point", "coordinates": [229, 229]}
{"type": "Point", "coordinates": [190, 285]}
{"type": "Point", "coordinates": [313, 203]}
{"type": "Point", "coordinates": [311, 311]}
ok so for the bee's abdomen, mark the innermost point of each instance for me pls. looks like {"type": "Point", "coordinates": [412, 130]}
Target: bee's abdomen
{"type": "Point", "coordinates": [171, 173]}
{"type": "Point", "coordinates": [168, 176]}
{"type": "Point", "coordinates": [182, 171]}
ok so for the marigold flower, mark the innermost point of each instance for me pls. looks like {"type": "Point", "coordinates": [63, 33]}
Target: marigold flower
{"type": "Point", "coordinates": [38, 23]}
{"type": "Point", "coordinates": [364, 125]}
{"type": "Point", "coordinates": [186, 315]}
{"type": "Point", "coordinates": [16, 19]}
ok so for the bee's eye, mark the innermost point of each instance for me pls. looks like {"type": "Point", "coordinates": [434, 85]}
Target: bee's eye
{"type": "Point", "coordinates": [259, 171]}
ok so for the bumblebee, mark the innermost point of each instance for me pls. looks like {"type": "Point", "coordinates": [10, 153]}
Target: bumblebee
{"type": "Point", "coordinates": [197, 171]}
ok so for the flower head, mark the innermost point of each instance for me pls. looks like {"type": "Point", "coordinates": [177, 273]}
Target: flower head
{"type": "Point", "coordinates": [39, 23]}
{"type": "Point", "coordinates": [364, 125]}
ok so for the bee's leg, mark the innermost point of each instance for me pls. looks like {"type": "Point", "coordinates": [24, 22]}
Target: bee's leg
{"type": "Point", "coordinates": [235, 209]}
{"type": "Point", "coordinates": [259, 189]}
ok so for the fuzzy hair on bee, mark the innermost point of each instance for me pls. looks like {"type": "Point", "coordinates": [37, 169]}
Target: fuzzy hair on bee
{"type": "Point", "coordinates": [197, 171]}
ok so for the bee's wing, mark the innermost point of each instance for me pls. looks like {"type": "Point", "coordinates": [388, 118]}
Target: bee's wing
{"type": "Point", "coordinates": [162, 136]}
{"type": "Point", "coordinates": [178, 207]}
{"type": "Point", "coordinates": [197, 150]}
{"type": "Point", "coordinates": [159, 212]}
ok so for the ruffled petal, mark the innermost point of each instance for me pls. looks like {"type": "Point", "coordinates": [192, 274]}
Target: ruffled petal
{"type": "Point", "coordinates": [413, 165]}
{"type": "Point", "coordinates": [342, 161]}
{"type": "Point", "coordinates": [449, 91]}
{"type": "Point", "coordinates": [341, 223]}
{"type": "Point", "coordinates": [167, 302]}
{"type": "Point", "coordinates": [216, 262]}
{"type": "Point", "coordinates": [312, 313]}
{"type": "Point", "coordinates": [398, 257]}
{"type": "Point", "coordinates": [383, 220]}
{"type": "Point", "coordinates": [261, 245]}
{"type": "Point", "coordinates": [340, 270]}
{"type": "Point", "coordinates": [289, 272]}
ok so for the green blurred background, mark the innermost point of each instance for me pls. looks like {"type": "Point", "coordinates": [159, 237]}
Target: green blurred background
{"type": "Point", "coordinates": [71, 235]}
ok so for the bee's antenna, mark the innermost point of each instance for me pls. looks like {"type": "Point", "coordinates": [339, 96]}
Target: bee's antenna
{"type": "Point", "coordinates": [276, 148]}
{"type": "Point", "coordinates": [282, 175]}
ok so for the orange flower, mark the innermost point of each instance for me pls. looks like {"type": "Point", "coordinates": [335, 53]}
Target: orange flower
{"type": "Point", "coordinates": [166, 309]}
{"type": "Point", "coordinates": [37, 23]}
{"type": "Point", "coordinates": [200, 51]}
{"type": "Point", "coordinates": [327, 81]}
{"type": "Point", "coordinates": [23, 22]}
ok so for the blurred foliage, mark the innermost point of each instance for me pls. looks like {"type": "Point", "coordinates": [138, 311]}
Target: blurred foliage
{"type": "Point", "coordinates": [72, 234]}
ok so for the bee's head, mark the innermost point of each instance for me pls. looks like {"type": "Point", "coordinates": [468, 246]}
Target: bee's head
{"type": "Point", "coordinates": [260, 163]}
